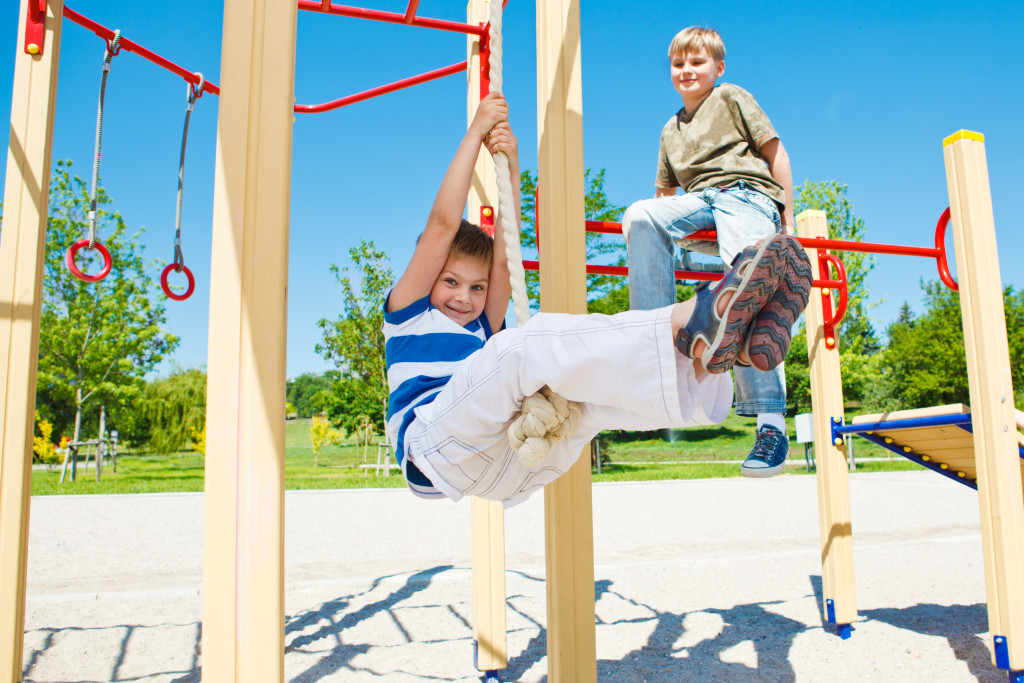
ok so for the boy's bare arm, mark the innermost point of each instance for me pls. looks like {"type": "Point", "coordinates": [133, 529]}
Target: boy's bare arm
{"type": "Point", "coordinates": [660, 191]}
{"type": "Point", "coordinates": [778, 165]}
{"type": "Point", "coordinates": [432, 250]}
{"type": "Point", "coordinates": [499, 288]}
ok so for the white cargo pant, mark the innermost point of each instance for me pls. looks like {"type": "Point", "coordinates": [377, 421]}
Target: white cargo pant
{"type": "Point", "coordinates": [623, 369]}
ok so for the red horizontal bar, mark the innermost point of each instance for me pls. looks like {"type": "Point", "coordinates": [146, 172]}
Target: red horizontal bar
{"type": "Point", "coordinates": [131, 46]}
{"type": "Point", "coordinates": [594, 269]}
{"type": "Point", "coordinates": [870, 247]}
{"type": "Point", "coordinates": [604, 226]}
{"type": "Point", "coordinates": [384, 89]}
{"type": "Point", "coordinates": [391, 17]}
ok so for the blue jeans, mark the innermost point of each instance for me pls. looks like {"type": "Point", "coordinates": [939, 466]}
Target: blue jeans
{"type": "Point", "coordinates": [653, 228]}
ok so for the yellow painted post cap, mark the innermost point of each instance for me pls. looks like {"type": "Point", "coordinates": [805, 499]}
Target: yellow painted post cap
{"type": "Point", "coordinates": [963, 135]}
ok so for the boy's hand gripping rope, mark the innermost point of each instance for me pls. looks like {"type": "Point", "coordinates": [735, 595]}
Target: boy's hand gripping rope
{"type": "Point", "coordinates": [545, 416]}
{"type": "Point", "coordinates": [193, 92]}
{"type": "Point", "coordinates": [91, 242]}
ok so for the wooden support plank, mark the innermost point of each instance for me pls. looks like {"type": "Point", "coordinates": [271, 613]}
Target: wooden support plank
{"type": "Point", "coordinates": [991, 391]}
{"type": "Point", "coordinates": [835, 521]}
{"type": "Point", "coordinates": [22, 255]}
{"type": "Point", "coordinates": [243, 569]}
{"type": "Point", "coordinates": [568, 507]}
{"type": "Point", "coordinates": [490, 629]}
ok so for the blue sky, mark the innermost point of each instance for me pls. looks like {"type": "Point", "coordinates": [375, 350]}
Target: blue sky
{"type": "Point", "coordinates": [862, 93]}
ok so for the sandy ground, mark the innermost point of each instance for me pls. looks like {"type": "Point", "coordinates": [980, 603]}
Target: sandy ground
{"type": "Point", "coordinates": [696, 580]}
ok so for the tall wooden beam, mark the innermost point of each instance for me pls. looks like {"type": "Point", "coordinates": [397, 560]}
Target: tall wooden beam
{"type": "Point", "coordinates": [243, 571]}
{"type": "Point", "coordinates": [490, 630]}
{"type": "Point", "coordinates": [568, 507]}
{"type": "Point", "coordinates": [992, 412]}
{"type": "Point", "coordinates": [835, 524]}
{"type": "Point", "coordinates": [22, 254]}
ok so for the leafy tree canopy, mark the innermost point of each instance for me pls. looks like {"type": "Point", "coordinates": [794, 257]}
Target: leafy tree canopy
{"type": "Point", "coordinates": [354, 341]}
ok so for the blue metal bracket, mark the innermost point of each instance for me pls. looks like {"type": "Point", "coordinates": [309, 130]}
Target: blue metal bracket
{"type": "Point", "coordinates": [843, 630]}
{"type": "Point", "coordinates": [837, 438]}
{"type": "Point", "coordinates": [1002, 648]}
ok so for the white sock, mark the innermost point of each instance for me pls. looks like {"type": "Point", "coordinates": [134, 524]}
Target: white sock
{"type": "Point", "coordinates": [777, 420]}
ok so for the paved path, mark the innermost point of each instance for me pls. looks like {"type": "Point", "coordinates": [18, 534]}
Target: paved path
{"type": "Point", "coordinates": [696, 580]}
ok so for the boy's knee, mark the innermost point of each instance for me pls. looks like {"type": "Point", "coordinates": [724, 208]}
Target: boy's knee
{"type": "Point", "coordinates": [635, 214]}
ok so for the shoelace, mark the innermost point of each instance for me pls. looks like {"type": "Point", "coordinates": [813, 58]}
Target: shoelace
{"type": "Point", "coordinates": [767, 442]}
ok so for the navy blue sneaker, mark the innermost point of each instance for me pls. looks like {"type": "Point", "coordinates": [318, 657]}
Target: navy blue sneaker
{"type": "Point", "coordinates": [768, 456]}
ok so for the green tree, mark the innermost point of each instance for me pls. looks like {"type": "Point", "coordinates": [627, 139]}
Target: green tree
{"type": "Point", "coordinates": [302, 391]}
{"type": "Point", "coordinates": [322, 433]}
{"type": "Point", "coordinates": [97, 340]}
{"type": "Point", "coordinates": [600, 248]}
{"type": "Point", "coordinates": [354, 341]}
{"type": "Point", "coordinates": [171, 411]}
{"type": "Point", "coordinates": [925, 362]}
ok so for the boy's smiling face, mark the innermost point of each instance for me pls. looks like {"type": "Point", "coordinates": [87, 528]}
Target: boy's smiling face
{"type": "Point", "coordinates": [460, 291]}
{"type": "Point", "coordinates": [694, 75]}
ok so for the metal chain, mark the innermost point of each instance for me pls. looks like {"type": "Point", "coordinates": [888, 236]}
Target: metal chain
{"type": "Point", "coordinates": [108, 55]}
{"type": "Point", "coordinates": [193, 93]}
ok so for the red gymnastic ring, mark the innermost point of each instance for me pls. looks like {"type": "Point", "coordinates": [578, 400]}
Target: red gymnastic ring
{"type": "Point", "coordinates": [69, 259]}
{"type": "Point", "coordinates": [940, 247]}
{"type": "Point", "coordinates": [177, 267]}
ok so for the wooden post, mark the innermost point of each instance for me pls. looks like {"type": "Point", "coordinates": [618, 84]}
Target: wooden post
{"type": "Point", "coordinates": [839, 596]}
{"type": "Point", "coordinates": [572, 650]}
{"type": "Point", "coordinates": [488, 525]}
{"type": "Point", "coordinates": [992, 411]}
{"type": "Point", "coordinates": [22, 252]}
{"type": "Point", "coordinates": [243, 570]}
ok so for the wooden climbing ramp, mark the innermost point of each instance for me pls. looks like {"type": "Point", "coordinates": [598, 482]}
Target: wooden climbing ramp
{"type": "Point", "coordinates": [938, 438]}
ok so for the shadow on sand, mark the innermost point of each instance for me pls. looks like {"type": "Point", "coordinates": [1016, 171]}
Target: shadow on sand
{"type": "Point", "coordinates": [661, 658]}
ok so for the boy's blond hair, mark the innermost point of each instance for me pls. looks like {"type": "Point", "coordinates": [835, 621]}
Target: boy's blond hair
{"type": "Point", "coordinates": [696, 38]}
{"type": "Point", "coordinates": [471, 241]}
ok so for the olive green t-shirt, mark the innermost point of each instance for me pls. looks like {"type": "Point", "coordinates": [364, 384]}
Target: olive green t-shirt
{"type": "Point", "coordinates": [716, 145]}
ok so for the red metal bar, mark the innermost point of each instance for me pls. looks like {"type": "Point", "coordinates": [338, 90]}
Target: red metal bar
{"type": "Point", "coordinates": [410, 11]}
{"type": "Point", "coordinates": [604, 227]}
{"type": "Point", "coordinates": [813, 242]}
{"type": "Point", "coordinates": [940, 245]}
{"type": "Point", "coordinates": [35, 27]}
{"type": "Point", "coordinates": [390, 17]}
{"type": "Point", "coordinates": [125, 44]}
{"type": "Point", "coordinates": [367, 94]}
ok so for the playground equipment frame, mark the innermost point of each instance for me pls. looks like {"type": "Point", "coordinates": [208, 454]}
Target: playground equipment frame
{"type": "Point", "coordinates": [243, 626]}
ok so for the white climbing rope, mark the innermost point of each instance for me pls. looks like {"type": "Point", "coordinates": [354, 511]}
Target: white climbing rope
{"type": "Point", "coordinates": [545, 416]}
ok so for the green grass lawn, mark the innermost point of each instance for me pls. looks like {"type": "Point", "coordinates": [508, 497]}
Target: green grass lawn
{"type": "Point", "coordinates": [696, 453]}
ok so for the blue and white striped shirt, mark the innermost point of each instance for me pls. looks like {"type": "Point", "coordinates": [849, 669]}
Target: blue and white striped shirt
{"type": "Point", "coordinates": [422, 348]}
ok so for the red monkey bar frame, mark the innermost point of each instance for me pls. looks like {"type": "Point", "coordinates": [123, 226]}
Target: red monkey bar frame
{"type": "Point", "coordinates": [826, 262]}
{"type": "Point", "coordinates": [34, 45]}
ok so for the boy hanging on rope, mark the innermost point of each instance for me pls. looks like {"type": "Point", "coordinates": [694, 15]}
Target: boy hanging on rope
{"type": "Point", "coordinates": [456, 385]}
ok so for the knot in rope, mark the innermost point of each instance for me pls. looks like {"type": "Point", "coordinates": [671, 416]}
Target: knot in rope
{"type": "Point", "coordinates": [546, 417]}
